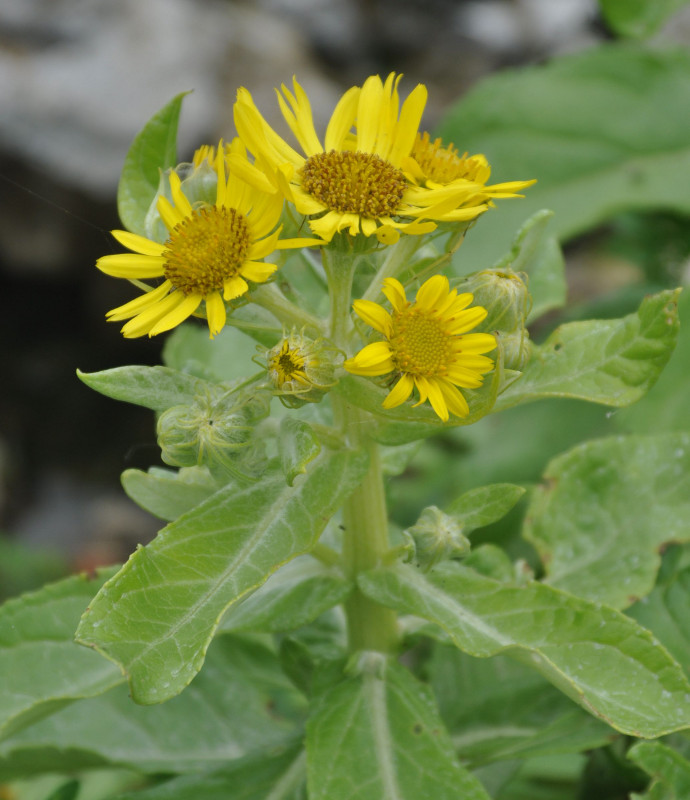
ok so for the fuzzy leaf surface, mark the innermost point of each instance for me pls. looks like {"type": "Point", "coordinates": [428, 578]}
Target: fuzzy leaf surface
{"type": "Point", "coordinates": [294, 596]}
{"type": "Point", "coordinates": [298, 446]}
{"type": "Point", "coordinates": [157, 616]}
{"type": "Point", "coordinates": [606, 509]}
{"type": "Point", "coordinates": [154, 149]}
{"type": "Point", "coordinates": [601, 659]}
{"type": "Point", "coordinates": [42, 668]}
{"type": "Point", "coordinates": [561, 123]}
{"type": "Point", "coordinates": [241, 703]}
{"type": "Point", "coordinates": [499, 709]}
{"type": "Point", "coordinates": [613, 362]}
{"type": "Point", "coordinates": [157, 388]}
{"type": "Point", "coordinates": [378, 736]}
{"type": "Point", "coordinates": [167, 493]}
{"type": "Point", "coordinates": [484, 505]}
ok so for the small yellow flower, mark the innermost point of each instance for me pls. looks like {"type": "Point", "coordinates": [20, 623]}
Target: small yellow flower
{"type": "Point", "coordinates": [210, 253]}
{"type": "Point", "coordinates": [355, 179]}
{"type": "Point", "coordinates": [301, 369]}
{"type": "Point", "coordinates": [434, 165]}
{"type": "Point", "coordinates": [427, 345]}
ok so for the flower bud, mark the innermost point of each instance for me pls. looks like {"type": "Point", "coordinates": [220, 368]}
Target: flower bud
{"type": "Point", "coordinates": [217, 430]}
{"type": "Point", "coordinates": [437, 537]}
{"type": "Point", "coordinates": [301, 369]}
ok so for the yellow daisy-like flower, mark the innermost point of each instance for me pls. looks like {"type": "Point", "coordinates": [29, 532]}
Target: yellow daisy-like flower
{"type": "Point", "coordinates": [426, 344]}
{"type": "Point", "coordinates": [355, 179]}
{"type": "Point", "coordinates": [434, 164]}
{"type": "Point", "coordinates": [211, 253]}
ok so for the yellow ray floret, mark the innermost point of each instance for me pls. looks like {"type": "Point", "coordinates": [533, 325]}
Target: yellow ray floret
{"type": "Point", "coordinates": [426, 344]}
{"type": "Point", "coordinates": [354, 178]}
{"type": "Point", "coordinates": [211, 255]}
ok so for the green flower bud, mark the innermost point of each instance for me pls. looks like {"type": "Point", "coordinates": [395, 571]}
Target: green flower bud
{"type": "Point", "coordinates": [437, 537]}
{"type": "Point", "coordinates": [301, 369]}
{"type": "Point", "coordinates": [215, 430]}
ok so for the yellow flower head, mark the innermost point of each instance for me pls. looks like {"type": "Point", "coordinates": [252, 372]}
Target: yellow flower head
{"type": "Point", "coordinates": [435, 165]}
{"type": "Point", "coordinates": [426, 344]}
{"type": "Point", "coordinates": [354, 178]}
{"type": "Point", "coordinates": [210, 254]}
{"type": "Point", "coordinates": [301, 369]}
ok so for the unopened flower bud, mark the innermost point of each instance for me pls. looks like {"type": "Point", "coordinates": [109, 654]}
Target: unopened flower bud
{"type": "Point", "coordinates": [216, 430]}
{"type": "Point", "coordinates": [301, 369]}
{"type": "Point", "coordinates": [437, 537]}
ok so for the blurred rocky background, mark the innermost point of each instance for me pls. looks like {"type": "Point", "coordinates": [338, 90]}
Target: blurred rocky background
{"type": "Point", "coordinates": [78, 79]}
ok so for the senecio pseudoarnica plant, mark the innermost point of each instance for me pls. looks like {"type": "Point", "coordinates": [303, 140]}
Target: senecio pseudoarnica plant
{"type": "Point", "coordinates": [329, 269]}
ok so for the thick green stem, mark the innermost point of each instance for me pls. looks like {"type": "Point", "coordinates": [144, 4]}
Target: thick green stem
{"type": "Point", "coordinates": [365, 546]}
{"type": "Point", "coordinates": [397, 258]}
{"type": "Point", "coordinates": [270, 298]}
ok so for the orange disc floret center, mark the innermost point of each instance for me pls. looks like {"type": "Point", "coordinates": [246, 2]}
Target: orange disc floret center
{"type": "Point", "coordinates": [420, 344]}
{"type": "Point", "coordinates": [206, 249]}
{"type": "Point", "coordinates": [443, 164]}
{"type": "Point", "coordinates": [354, 183]}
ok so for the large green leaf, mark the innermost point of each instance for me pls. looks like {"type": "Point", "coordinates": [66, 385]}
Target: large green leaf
{"type": "Point", "coordinates": [613, 362]}
{"type": "Point", "coordinates": [241, 703]}
{"type": "Point", "coordinates": [226, 357]}
{"type": "Point", "coordinates": [378, 736]}
{"type": "Point", "coordinates": [606, 509]}
{"type": "Point", "coordinates": [157, 388]}
{"type": "Point", "coordinates": [156, 617]}
{"type": "Point", "coordinates": [671, 772]}
{"type": "Point", "coordinates": [294, 596]}
{"type": "Point", "coordinates": [638, 18]}
{"type": "Point", "coordinates": [500, 709]}
{"type": "Point", "coordinates": [42, 668]}
{"type": "Point", "coordinates": [597, 656]}
{"type": "Point", "coordinates": [277, 774]}
{"type": "Point", "coordinates": [154, 149]}
{"type": "Point", "coordinates": [587, 127]}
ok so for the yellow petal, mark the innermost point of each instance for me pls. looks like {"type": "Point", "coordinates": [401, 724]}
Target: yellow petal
{"type": "Point", "coordinates": [476, 343]}
{"type": "Point", "coordinates": [215, 313]}
{"type": "Point", "coordinates": [342, 119]}
{"type": "Point", "coordinates": [139, 304]}
{"type": "Point", "coordinates": [181, 203]}
{"type": "Point", "coordinates": [430, 292]}
{"type": "Point", "coordinates": [178, 315]}
{"type": "Point", "coordinates": [131, 265]}
{"type": "Point", "coordinates": [456, 403]}
{"type": "Point", "coordinates": [399, 393]}
{"type": "Point", "coordinates": [371, 361]}
{"type": "Point", "coordinates": [375, 316]}
{"type": "Point", "coordinates": [143, 322]}
{"type": "Point", "coordinates": [430, 389]}
{"type": "Point", "coordinates": [169, 214]}
{"type": "Point", "coordinates": [468, 319]}
{"type": "Point", "coordinates": [257, 271]}
{"type": "Point", "coordinates": [234, 287]}
{"type": "Point", "coordinates": [395, 293]}
{"type": "Point", "coordinates": [408, 125]}
{"type": "Point", "coordinates": [368, 114]}
{"type": "Point", "coordinates": [139, 244]}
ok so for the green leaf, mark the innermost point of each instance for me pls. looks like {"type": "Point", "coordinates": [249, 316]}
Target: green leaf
{"type": "Point", "coordinates": [294, 596]}
{"type": "Point", "coordinates": [241, 703]}
{"type": "Point", "coordinates": [587, 127]}
{"type": "Point", "coordinates": [606, 509]}
{"type": "Point", "coordinates": [664, 408]}
{"type": "Point", "coordinates": [665, 612]}
{"type": "Point", "coordinates": [595, 655]}
{"type": "Point", "coordinates": [277, 774]}
{"type": "Point", "coordinates": [480, 507]}
{"type": "Point", "coordinates": [298, 446]}
{"type": "Point", "coordinates": [157, 388]}
{"type": "Point", "coordinates": [154, 149]}
{"type": "Point", "coordinates": [226, 357]}
{"type": "Point", "coordinates": [613, 362]}
{"type": "Point", "coordinates": [157, 615]}
{"type": "Point", "coordinates": [168, 494]}
{"type": "Point", "coordinates": [378, 736]}
{"type": "Point", "coordinates": [541, 258]}
{"type": "Point", "coordinates": [42, 668]}
{"type": "Point", "coordinates": [500, 709]}
{"type": "Point", "coordinates": [638, 18]}
{"type": "Point", "coordinates": [666, 766]}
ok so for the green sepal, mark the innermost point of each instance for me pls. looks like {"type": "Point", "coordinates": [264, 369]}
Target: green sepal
{"type": "Point", "coordinates": [377, 736]}
{"type": "Point", "coordinates": [594, 654]}
{"type": "Point", "coordinates": [612, 362]}
{"type": "Point", "coordinates": [669, 770]}
{"type": "Point", "coordinates": [157, 615]}
{"type": "Point", "coordinates": [606, 509]}
{"type": "Point", "coordinates": [154, 149]}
